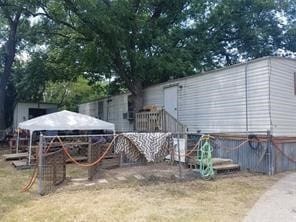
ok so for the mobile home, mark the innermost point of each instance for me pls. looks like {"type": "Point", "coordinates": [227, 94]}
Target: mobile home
{"type": "Point", "coordinates": [256, 99]}
{"type": "Point", "coordinates": [24, 111]}
{"type": "Point", "coordinates": [256, 96]}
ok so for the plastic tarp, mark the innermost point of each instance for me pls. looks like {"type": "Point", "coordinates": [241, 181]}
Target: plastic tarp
{"type": "Point", "coordinates": [65, 120]}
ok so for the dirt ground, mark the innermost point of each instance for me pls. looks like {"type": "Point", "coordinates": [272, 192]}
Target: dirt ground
{"type": "Point", "coordinates": [157, 197]}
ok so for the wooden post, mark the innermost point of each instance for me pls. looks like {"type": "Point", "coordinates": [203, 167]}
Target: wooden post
{"type": "Point", "coordinates": [271, 154]}
{"type": "Point", "coordinates": [17, 140]}
{"type": "Point", "coordinates": [164, 121]}
{"type": "Point", "coordinates": [186, 145]}
{"type": "Point", "coordinates": [30, 148]}
{"type": "Point", "coordinates": [40, 167]}
{"type": "Point", "coordinates": [90, 159]}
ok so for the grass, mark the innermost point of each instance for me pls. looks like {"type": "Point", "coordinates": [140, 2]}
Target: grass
{"type": "Point", "coordinates": [11, 182]}
{"type": "Point", "coordinates": [224, 199]}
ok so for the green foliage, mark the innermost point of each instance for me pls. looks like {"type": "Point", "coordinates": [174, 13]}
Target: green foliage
{"type": "Point", "coordinates": [133, 40]}
{"type": "Point", "coordinates": [68, 94]}
{"type": "Point", "coordinates": [233, 30]}
{"type": "Point", "coordinates": [30, 78]}
{"type": "Point", "coordinates": [289, 9]}
{"type": "Point", "coordinates": [148, 42]}
{"type": "Point", "coordinates": [77, 43]}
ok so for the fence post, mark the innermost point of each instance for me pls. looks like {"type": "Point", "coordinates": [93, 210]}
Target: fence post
{"type": "Point", "coordinates": [90, 159]}
{"type": "Point", "coordinates": [270, 154]}
{"type": "Point", "coordinates": [40, 166]}
{"type": "Point", "coordinates": [179, 155]}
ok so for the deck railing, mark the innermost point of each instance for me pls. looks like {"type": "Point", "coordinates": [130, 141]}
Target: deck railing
{"type": "Point", "coordinates": [159, 121]}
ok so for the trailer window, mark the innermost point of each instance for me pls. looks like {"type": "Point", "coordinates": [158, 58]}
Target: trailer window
{"type": "Point", "coordinates": [35, 112]}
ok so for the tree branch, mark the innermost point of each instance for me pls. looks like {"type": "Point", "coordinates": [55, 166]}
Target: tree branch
{"type": "Point", "coordinates": [83, 18]}
{"type": "Point", "coordinates": [117, 60]}
{"type": "Point", "coordinates": [7, 16]}
{"type": "Point", "coordinates": [107, 2]}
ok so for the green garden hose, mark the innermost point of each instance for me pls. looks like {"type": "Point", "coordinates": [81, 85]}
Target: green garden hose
{"type": "Point", "coordinates": [205, 161]}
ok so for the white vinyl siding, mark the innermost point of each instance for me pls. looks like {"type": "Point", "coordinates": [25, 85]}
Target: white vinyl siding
{"type": "Point", "coordinates": [90, 108]}
{"type": "Point", "coordinates": [154, 95]}
{"type": "Point", "coordinates": [283, 98]}
{"type": "Point", "coordinates": [216, 101]}
{"type": "Point", "coordinates": [117, 106]}
{"type": "Point", "coordinates": [21, 111]}
{"type": "Point", "coordinates": [114, 107]}
{"type": "Point", "coordinates": [258, 96]}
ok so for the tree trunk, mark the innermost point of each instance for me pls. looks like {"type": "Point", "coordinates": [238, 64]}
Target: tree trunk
{"type": "Point", "coordinates": [10, 49]}
{"type": "Point", "coordinates": [138, 98]}
{"type": "Point", "coordinates": [138, 101]}
{"type": "Point", "coordinates": [2, 108]}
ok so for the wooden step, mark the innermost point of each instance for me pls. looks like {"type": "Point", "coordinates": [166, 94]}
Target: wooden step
{"type": "Point", "coordinates": [226, 167]}
{"type": "Point", "coordinates": [221, 161]}
{"type": "Point", "coordinates": [217, 161]}
{"type": "Point", "coordinates": [21, 164]}
{"type": "Point", "coordinates": [15, 156]}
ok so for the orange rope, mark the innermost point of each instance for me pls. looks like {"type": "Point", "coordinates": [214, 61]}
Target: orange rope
{"type": "Point", "coordinates": [283, 153]}
{"type": "Point", "coordinates": [233, 148]}
{"type": "Point", "coordinates": [237, 147]}
{"type": "Point", "coordinates": [90, 164]}
{"type": "Point", "coordinates": [33, 178]}
{"type": "Point", "coordinates": [50, 144]}
{"type": "Point", "coordinates": [195, 147]}
{"type": "Point", "coordinates": [221, 147]}
{"type": "Point", "coordinates": [31, 181]}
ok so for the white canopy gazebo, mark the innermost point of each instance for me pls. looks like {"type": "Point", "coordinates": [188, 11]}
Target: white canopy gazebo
{"type": "Point", "coordinates": [63, 121]}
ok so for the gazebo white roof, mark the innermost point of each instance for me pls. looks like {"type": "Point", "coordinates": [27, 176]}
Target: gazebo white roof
{"type": "Point", "coordinates": [65, 120]}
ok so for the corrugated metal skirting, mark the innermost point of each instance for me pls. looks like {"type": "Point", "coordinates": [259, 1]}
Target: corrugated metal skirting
{"type": "Point", "coordinates": [269, 158]}
{"type": "Point", "coordinates": [255, 159]}
{"type": "Point", "coordinates": [285, 155]}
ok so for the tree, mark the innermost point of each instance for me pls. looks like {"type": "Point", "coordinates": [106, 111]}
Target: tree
{"type": "Point", "coordinates": [24, 79]}
{"type": "Point", "coordinates": [10, 20]}
{"type": "Point", "coordinates": [142, 42]}
{"type": "Point", "coordinates": [14, 25]}
{"type": "Point", "coordinates": [290, 28]}
{"type": "Point", "coordinates": [137, 41]}
{"type": "Point", "coordinates": [30, 78]}
{"type": "Point", "coordinates": [236, 30]}
{"type": "Point", "coordinates": [67, 94]}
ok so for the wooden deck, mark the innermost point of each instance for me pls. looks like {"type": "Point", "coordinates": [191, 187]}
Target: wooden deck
{"type": "Point", "coordinates": [159, 121]}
